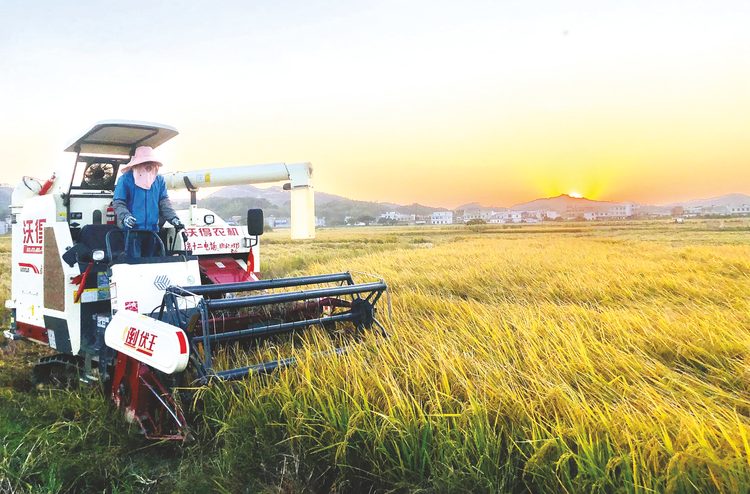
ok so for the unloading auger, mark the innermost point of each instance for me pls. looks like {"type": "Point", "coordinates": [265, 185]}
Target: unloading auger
{"type": "Point", "coordinates": [193, 313]}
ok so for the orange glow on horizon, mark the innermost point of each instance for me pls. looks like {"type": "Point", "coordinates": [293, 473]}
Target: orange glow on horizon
{"type": "Point", "coordinates": [497, 103]}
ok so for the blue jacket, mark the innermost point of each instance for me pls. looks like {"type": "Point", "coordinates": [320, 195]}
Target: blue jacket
{"type": "Point", "coordinates": [143, 204]}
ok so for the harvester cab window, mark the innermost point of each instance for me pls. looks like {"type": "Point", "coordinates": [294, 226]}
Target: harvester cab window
{"type": "Point", "coordinates": [96, 174]}
{"type": "Point", "coordinates": [91, 191]}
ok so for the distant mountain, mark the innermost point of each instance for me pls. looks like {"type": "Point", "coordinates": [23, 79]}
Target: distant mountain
{"type": "Point", "coordinates": [470, 206]}
{"type": "Point", "coordinates": [417, 209]}
{"type": "Point", "coordinates": [560, 204]}
{"type": "Point", "coordinates": [275, 195]}
{"type": "Point", "coordinates": [649, 209]}
{"type": "Point", "coordinates": [235, 200]}
{"type": "Point", "coordinates": [725, 200]}
{"type": "Point", "coordinates": [475, 206]}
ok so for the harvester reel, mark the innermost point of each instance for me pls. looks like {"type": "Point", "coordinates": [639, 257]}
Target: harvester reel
{"type": "Point", "coordinates": [265, 310]}
{"type": "Point", "coordinates": [364, 314]}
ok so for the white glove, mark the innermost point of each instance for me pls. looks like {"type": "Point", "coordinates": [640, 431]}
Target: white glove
{"type": "Point", "coordinates": [177, 224]}
{"type": "Point", "coordinates": [129, 222]}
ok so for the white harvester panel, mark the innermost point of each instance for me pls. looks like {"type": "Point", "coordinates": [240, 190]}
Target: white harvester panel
{"type": "Point", "coordinates": [139, 287]}
{"type": "Point", "coordinates": [155, 343]}
{"type": "Point", "coordinates": [28, 259]}
{"type": "Point", "coordinates": [40, 280]}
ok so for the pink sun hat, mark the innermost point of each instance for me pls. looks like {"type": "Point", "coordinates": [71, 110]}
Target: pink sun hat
{"type": "Point", "coordinates": [143, 154]}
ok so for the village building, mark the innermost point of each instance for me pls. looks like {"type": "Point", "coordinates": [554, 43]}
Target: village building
{"type": "Point", "coordinates": [496, 218]}
{"type": "Point", "coordinates": [441, 218]}
{"type": "Point", "coordinates": [478, 214]}
{"type": "Point", "coordinates": [394, 216]}
{"type": "Point", "coordinates": [513, 216]}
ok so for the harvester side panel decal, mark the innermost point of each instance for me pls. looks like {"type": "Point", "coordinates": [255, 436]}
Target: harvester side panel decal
{"type": "Point", "coordinates": [215, 240]}
{"type": "Point", "coordinates": [147, 340]}
{"type": "Point", "coordinates": [28, 261]}
{"type": "Point", "coordinates": [33, 235]}
{"type": "Point", "coordinates": [54, 278]}
{"type": "Point", "coordinates": [27, 267]}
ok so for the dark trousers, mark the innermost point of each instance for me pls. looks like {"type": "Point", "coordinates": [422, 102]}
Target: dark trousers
{"type": "Point", "coordinates": [142, 245]}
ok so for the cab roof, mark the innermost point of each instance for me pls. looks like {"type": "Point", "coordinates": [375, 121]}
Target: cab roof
{"type": "Point", "coordinates": [120, 137]}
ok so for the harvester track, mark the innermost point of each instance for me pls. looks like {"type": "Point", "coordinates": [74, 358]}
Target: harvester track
{"type": "Point", "coordinates": [64, 370]}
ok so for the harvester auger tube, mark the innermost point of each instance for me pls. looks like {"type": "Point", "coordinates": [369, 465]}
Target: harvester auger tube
{"type": "Point", "coordinates": [209, 323]}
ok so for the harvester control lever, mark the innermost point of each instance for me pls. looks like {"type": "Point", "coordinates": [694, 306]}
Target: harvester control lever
{"type": "Point", "coordinates": [177, 224]}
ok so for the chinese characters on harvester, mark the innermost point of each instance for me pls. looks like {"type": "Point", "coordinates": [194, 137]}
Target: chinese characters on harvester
{"type": "Point", "coordinates": [213, 239]}
{"type": "Point", "coordinates": [33, 236]}
{"type": "Point", "coordinates": [140, 341]}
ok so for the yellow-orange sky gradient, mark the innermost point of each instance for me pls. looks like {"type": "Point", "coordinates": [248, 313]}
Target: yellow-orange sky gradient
{"type": "Point", "coordinates": [436, 103]}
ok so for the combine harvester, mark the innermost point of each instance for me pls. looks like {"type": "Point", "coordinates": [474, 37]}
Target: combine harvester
{"type": "Point", "coordinates": [145, 326]}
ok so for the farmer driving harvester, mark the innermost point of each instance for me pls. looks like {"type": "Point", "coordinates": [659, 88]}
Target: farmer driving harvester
{"type": "Point", "coordinates": [155, 323]}
{"type": "Point", "coordinates": [141, 201]}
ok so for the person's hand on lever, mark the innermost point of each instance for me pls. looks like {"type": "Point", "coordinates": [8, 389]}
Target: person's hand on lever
{"type": "Point", "coordinates": [177, 224]}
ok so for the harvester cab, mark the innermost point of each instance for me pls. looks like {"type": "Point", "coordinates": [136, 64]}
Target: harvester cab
{"type": "Point", "coordinates": [145, 324]}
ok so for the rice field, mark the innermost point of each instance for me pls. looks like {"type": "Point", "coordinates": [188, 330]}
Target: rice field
{"type": "Point", "coordinates": [575, 358]}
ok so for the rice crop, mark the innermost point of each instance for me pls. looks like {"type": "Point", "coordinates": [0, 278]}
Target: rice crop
{"type": "Point", "coordinates": [547, 365]}
{"type": "Point", "coordinates": [591, 359]}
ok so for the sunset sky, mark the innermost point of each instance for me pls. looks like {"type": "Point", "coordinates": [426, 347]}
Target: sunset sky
{"type": "Point", "coordinates": [440, 103]}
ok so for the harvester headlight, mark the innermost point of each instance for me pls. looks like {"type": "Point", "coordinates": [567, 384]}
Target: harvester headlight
{"type": "Point", "coordinates": [209, 219]}
{"type": "Point", "coordinates": [97, 255]}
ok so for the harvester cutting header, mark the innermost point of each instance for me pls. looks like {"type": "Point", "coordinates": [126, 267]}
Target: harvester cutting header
{"type": "Point", "coordinates": [146, 321]}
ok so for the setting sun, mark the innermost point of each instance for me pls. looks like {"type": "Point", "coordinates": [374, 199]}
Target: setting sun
{"type": "Point", "coordinates": [577, 195]}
